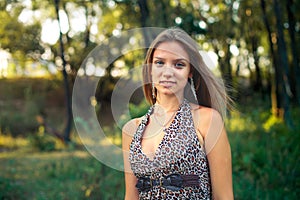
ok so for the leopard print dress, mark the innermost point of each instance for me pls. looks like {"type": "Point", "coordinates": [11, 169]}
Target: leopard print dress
{"type": "Point", "coordinates": [179, 152]}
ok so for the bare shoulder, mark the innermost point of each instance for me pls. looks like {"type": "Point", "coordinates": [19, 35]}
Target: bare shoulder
{"type": "Point", "coordinates": [206, 119]}
{"type": "Point", "coordinates": [128, 131]}
{"type": "Point", "coordinates": [130, 127]}
{"type": "Point", "coordinates": [204, 113]}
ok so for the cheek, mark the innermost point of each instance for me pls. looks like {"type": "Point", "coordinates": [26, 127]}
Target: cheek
{"type": "Point", "coordinates": [155, 76]}
{"type": "Point", "coordinates": [156, 72]}
{"type": "Point", "coordinates": [183, 75]}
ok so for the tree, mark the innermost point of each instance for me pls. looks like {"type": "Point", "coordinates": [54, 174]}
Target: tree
{"type": "Point", "coordinates": [21, 46]}
{"type": "Point", "coordinates": [291, 11]}
{"type": "Point", "coordinates": [284, 67]}
{"type": "Point", "coordinates": [281, 92]}
{"type": "Point", "coordinates": [221, 37]}
{"type": "Point", "coordinates": [67, 130]}
{"type": "Point", "coordinates": [215, 25]}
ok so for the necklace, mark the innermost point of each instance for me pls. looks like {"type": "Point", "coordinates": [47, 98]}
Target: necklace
{"type": "Point", "coordinates": [163, 125]}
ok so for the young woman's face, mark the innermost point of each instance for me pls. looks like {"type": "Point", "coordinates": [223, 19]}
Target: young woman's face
{"type": "Point", "coordinates": [170, 69]}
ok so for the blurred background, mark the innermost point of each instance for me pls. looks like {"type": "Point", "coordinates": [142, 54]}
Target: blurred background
{"type": "Point", "coordinates": [254, 46]}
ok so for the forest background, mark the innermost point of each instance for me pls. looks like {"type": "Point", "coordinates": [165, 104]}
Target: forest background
{"type": "Point", "coordinates": [254, 45]}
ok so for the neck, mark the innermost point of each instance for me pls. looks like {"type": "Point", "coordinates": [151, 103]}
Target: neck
{"type": "Point", "coordinates": [169, 103]}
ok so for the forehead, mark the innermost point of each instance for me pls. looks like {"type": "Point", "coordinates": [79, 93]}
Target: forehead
{"type": "Point", "coordinates": [171, 50]}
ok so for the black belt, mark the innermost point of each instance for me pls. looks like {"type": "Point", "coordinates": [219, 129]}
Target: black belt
{"type": "Point", "coordinates": [172, 182]}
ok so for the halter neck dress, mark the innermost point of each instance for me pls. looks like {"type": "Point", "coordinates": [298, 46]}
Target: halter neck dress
{"type": "Point", "coordinates": [179, 152]}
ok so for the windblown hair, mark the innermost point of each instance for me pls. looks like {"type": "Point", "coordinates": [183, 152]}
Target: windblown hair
{"type": "Point", "coordinates": [210, 90]}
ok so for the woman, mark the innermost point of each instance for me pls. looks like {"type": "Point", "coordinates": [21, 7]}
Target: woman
{"type": "Point", "coordinates": [179, 149]}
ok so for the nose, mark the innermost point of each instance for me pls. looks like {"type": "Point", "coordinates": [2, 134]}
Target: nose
{"type": "Point", "coordinates": [168, 71]}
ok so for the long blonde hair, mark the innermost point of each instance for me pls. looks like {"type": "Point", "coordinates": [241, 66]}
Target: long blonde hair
{"type": "Point", "coordinates": [210, 90]}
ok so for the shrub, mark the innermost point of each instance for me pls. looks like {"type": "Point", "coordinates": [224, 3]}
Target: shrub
{"type": "Point", "coordinates": [41, 141]}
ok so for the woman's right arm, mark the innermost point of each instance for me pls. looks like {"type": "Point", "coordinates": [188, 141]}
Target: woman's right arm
{"type": "Point", "coordinates": [131, 192]}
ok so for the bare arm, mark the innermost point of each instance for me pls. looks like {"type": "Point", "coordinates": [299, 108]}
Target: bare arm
{"type": "Point", "coordinates": [219, 155]}
{"type": "Point", "coordinates": [220, 168]}
{"type": "Point", "coordinates": [131, 192]}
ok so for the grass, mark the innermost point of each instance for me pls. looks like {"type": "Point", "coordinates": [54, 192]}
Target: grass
{"type": "Point", "coordinates": [265, 156]}
{"type": "Point", "coordinates": [57, 175]}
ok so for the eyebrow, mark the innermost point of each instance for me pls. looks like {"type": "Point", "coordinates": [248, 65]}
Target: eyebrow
{"type": "Point", "coordinates": [179, 59]}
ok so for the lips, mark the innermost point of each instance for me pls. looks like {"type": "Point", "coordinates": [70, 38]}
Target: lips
{"type": "Point", "coordinates": [167, 84]}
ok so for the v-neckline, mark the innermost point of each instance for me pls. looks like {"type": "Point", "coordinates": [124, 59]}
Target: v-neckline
{"type": "Point", "coordinates": [165, 130]}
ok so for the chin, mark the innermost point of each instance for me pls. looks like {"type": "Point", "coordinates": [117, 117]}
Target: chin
{"type": "Point", "coordinates": [167, 91]}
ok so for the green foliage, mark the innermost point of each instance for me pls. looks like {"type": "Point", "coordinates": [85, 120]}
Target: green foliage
{"type": "Point", "coordinates": [21, 40]}
{"type": "Point", "coordinates": [23, 100]}
{"type": "Point", "coordinates": [265, 160]}
{"type": "Point", "coordinates": [10, 190]}
{"type": "Point", "coordinates": [264, 151]}
{"type": "Point", "coordinates": [138, 110]}
{"type": "Point", "coordinates": [57, 175]}
{"type": "Point", "coordinates": [14, 121]}
{"type": "Point", "coordinates": [265, 165]}
{"type": "Point", "coordinates": [42, 142]}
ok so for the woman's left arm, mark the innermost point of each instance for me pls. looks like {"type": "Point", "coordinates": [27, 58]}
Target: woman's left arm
{"type": "Point", "coordinates": [219, 159]}
{"type": "Point", "coordinates": [219, 155]}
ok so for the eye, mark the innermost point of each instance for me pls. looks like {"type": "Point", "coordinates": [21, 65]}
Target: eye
{"type": "Point", "coordinates": [180, 64]}
{"type": "Point", "coordinates": [159, 63]}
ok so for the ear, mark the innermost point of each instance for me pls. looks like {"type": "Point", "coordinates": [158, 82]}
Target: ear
{"type": "Point", "coordinates": [190, 75]}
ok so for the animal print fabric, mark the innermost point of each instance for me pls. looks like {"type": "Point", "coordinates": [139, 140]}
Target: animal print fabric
{"type": "Point", "coordinates": [179, 152]}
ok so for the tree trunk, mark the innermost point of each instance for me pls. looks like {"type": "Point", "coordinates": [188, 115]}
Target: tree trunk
{"type": "Point", "coordinates": [284, 68]}
{"type": "Point", "coordinates": [295, 65]}
{"type": "Point", "coordinates": [144, 18]}
{"type": "Point", "coordinates": [227, 73]}
{"type": "Point", "coordinates": [258, 81]}
{"type": "Point", "coordinates": [164, 14]}
{"type": "Point", "coordinates": [88, 26]}
{"type": "Point", "coordinates": [68, 127]}
{"type": "Point", "coordinates": [275, 91]}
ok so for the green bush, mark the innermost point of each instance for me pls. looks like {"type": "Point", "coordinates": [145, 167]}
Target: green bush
{"type": "Point", "coordinates": [18, 121]}
{"type": "Point", "coordinates": [265, 155]}
{"type": "Point", "coordinates": [23, 100]}
{"type": "Point", "coordinates": [42, 142]}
